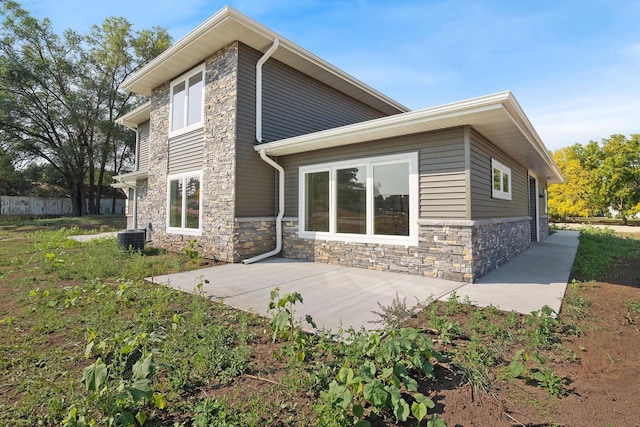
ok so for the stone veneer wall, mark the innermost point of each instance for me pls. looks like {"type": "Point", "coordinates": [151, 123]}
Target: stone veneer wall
{"type": "Point", "coordinates": [253, 236]}
{"type": "Point", "coordinates": [544, 226]}
{"type": "Point", "coordinates": [497, 241]}
{"type": "Point", "coordinates": [143, 208]}
{"type": "Point", "coordinates": [454, 250]}
{"type": "Point", "coordinates": [218, 166]}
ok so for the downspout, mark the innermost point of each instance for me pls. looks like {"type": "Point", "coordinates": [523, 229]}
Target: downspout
{"type": "Point", "coordinates": [268, 160]}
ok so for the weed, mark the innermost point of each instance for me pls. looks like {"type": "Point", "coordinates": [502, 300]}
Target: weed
{"type": "Point", "coordinates": [393, 315]}
{"type": "Point", "coordinates": [633, 305]}
{"type": "Point", "coordinates": [192, 252]}
{"type": "Point", "coordinates": [543, 327]}
{"type": "Point", "coordinates": [577, 305]}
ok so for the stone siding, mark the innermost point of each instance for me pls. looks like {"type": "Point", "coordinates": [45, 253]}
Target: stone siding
{"type": "Point", "coordinates": [454, 250]}
{"type": "Point", "coordinates": [544, 227]}
{"type": "Point", "coordinates": [217, 191]}
{"type": "Point", "coordinates": [253, 236]}
{"type": "Point", "coordinates": [497, 241]}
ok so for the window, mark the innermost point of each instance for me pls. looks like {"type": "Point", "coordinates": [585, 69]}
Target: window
{"type": "Point", "coordinates": [372, 200]}
{"type": "Point", "coordinates": [187, 94]}
{"type": "Point", "coordinates": [184, 204]}
{"type": "Point", "coordinates": [501, 183]}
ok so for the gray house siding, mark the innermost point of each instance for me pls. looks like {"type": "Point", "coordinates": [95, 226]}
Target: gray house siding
{"type": "Point", "coordinates": [293, 104]}
{"type": "Point", "coordinates": [483, 205]}
{"type": "Point", "coordinates": [441, 165]}
{"type": "Point", "coordinates": [185, 152]}
{"type": "Point", "coordinates": [143, 146]}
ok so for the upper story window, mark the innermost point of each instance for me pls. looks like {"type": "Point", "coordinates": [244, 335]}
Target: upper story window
{"type": "Point", "coordinates": [187, 101]}
{"type": "Point", "coordinates": [367, 200]}
{"type": "Point", "coordinates": [501, 180]}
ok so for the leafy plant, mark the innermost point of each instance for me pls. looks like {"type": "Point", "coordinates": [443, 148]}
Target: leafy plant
{"type": "Point", "coordinates": [543, 326]}
{"type": "Point", "coordinates": [383, 379]}
{"type": "Point", "coordinates": [192, 251]}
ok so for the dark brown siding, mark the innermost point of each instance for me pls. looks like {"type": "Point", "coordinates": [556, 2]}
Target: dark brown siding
{"type": "Point", "coordinates": [293, 104]}
{"type": "Point", "coordinates": [143, 146]}
{"type": "Point", "coordinates": [441, 165]}
{"type": "Point", "coordinates": [483, 205]}
{"type": "Point", "coordinates": [185, 152]}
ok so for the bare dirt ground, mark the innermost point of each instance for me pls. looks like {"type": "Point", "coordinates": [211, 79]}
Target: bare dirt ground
{"type": "Point", "coordinates": [599, 369]}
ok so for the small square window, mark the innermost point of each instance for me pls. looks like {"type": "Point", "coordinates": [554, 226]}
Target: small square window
{"type": "Point", "coordinates": [501, 187]}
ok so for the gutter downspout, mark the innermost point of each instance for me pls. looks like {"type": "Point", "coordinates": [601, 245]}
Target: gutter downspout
{"type": "Point", "coordinates": [263, 156]}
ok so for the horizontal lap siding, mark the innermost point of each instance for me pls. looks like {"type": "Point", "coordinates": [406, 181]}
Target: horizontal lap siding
{"type": "Point", "coordinates": [293, 104]}
{"type": "Point", "coordinates": [186, 152]}
{"type": "Point", "coordinates": [143, 146]}
{"type": "Point", "coordinates": [441, 165]}
{"type": "Point", "coordinates": [483, 205]}
{"type": "Point", "coordinates": [255, 180]}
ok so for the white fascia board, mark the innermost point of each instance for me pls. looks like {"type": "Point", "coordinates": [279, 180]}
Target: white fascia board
{"type": "Point", "coordinates": [133, 118]}
{"type": "Point", "coordinates": [131, 176]}
{"type": "Point", "coordinates": [235, 24]}
{"type": "Point", "coordinates": [515, 111]}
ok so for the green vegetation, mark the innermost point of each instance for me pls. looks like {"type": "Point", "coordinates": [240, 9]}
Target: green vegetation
{"type": "Point", "coordinates": [87, 342]}
{"type": "Point", "coordinates": [597, 176]}
{"type": "Point", "coordinates": [599, 251]}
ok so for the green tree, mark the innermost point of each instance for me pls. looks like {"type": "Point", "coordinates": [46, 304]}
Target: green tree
{"type": "Point", "coordinates": [59, 96]}
{"type": "Point", "coordinates": [619, 173]}
{"type": "Point", "coordinates": [579, 195]}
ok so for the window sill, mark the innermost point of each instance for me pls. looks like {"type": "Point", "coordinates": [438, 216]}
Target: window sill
{"type": "Point", "coordinates": [184, 231]}
{"type": "Point", "coordinates": [175, 133]}
{"type": "Point", "coordinates": [355, 238]}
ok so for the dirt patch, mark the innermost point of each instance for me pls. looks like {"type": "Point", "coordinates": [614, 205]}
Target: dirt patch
{"type": "Point", "coordinates": [599, 368]}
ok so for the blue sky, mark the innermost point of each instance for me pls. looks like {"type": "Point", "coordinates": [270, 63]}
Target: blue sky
{"type": "Point", "coordinates": [574, 65]}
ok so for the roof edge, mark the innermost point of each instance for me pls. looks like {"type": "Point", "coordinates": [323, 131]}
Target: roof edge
{"type": "Point", "coordinates": [228, 12]}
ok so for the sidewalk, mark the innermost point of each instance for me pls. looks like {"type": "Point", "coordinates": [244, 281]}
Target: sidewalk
{"type": "Point", "coordinates": [337, 296]}
{"type": "Point", "coordinates": [531, 280]}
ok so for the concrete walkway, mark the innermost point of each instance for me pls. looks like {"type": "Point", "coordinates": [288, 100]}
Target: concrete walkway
{"type": "Point", "coordinates": [87, 237]}
{"type": "Point", "coordinates": [338, 296]}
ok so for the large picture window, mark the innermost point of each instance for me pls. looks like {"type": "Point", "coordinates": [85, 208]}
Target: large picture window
{"type": "Point", "coordinates": [500, 180]}
{"type": "Point", "coordinates": [372, 199]}
{"type": "Point", "coordinates": [184, 204]}
{"type": "Point", "coordinates": [187, 93]}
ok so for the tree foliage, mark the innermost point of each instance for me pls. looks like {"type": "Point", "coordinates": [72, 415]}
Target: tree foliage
{"type": "Point", "coordinates": [60, 96]}
{"type": "Point", "coordinates": [598, 176]}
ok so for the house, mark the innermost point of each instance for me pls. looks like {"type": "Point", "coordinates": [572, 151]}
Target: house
{"type": "Point", "coordinates": [254, 147]}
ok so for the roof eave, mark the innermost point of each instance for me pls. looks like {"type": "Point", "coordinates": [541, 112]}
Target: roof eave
{"type": "Point", "coordinates": [501, 108]}
{"type": "Point", "coordinates": [229, 25]}
{"type": "Point", "coordinates": [133, 118]}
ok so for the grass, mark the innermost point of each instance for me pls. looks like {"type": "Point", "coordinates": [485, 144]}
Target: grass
{"type": "Point", "coordinates": [599, 250]}
{"type": "Point", "coordinates": [83, 338]}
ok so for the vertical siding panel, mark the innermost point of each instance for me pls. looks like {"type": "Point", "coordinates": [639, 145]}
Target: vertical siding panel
{"type": "Point", "coordinates": [143, 146]}
{"type": "Point", "coordinates": [483, 205]}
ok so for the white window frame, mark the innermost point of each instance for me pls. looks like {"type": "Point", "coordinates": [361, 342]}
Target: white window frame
{"type": "Point", "coordinates": [185, 79]}
{"type": "Point", "coordinates": [504, 170]}
{"type": "Point", "coordinates": [369, 236]}
{"type": "Point", "coordinates": [183, 177]}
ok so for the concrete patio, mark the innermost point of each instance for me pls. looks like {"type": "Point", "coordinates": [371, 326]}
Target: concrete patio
{"type": "Point", "coordinates": [338, 296]}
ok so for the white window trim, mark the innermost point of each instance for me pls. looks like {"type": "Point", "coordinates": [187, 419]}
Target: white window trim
{"type": "Point", "coordinates": [504, 169]}
{"type": "Point", "coordinates": [369, 237]}
{"type": "Point", "coordinates": [546, 201]}
{"type": "Point", "coordinates": [183, 177]}
{"type": "Point", "coordinates": [184, 78]}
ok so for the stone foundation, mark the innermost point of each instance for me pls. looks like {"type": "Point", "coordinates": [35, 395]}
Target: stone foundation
{"type": "Point", "coordinates": [253, 236]}
{"type": "Point", "coordinates": [454, 250]}
{"type": "Point", "coordinates": [544, 227]}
